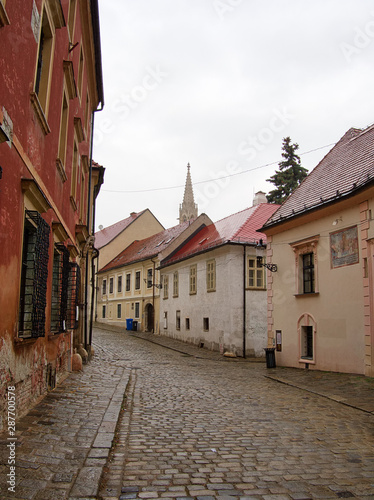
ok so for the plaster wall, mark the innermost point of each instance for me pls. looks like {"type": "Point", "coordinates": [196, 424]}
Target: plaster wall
{"type": "Point", "coordinates": [337, 308]}
{"type": "Point", "coordinates": [144, 226]}
{"type": "Point", "coordinates": [223, 307]}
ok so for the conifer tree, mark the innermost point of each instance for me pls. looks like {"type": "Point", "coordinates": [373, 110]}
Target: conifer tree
{"type": "Point", "coordinates": [290, 173]}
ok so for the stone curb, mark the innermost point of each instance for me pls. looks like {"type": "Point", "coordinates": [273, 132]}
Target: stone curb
{"type": "Point", "coordinates": [87, 483]}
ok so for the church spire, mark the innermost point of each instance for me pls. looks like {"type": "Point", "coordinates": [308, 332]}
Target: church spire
{"type": "Point", "coordinates": [188, 209]}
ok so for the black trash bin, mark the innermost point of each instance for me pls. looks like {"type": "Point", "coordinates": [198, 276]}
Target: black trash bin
{"type": "Point", "coordinates": [134, 326]}
{"type": "Point", "coordinates": [270, 357]}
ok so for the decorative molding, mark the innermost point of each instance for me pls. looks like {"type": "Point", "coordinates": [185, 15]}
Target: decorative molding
{"type": "Point", "coordinates": [61, 170]}
{"type": "Point", "coordinates": [35, 22]}
{"type": "Point", "coordinates": [73, 203]}
{"type": "Point", "coordinates": [6, 127]}
{"type": "Point", "coordinates": [59, 231]}
{"type": "Point", "coordinates": [4, 19]}
{"type": "Point", "coordinates": [81, 233]}
{"type": "Point", "coordinates": [69, 78]}
{"type": "Point", "coordinates": [39, 113]}
{"type": "Point", "coordinates": [33, 192]}
{"type": "Point", "coordinates": [57, 13]}
{"type": "Point", "coordinates": [78, 128]}
{"type": "Point", "coordinates": [85, 163]}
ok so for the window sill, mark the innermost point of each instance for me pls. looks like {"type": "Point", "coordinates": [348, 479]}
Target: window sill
{"type": "Point", "coordinates": [39, 113]}
{"type": "Point", "coordinates": [26, 341]}
{"type": "Point", "coordinates": [308, 361]}
{"type": "Point", "coordinates": [297, 295]}
{"type": "Point", "coordinates": [4, 19]}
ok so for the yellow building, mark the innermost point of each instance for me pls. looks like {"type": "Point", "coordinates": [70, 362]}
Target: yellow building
{"type": "Point", "coordinates": [320, 301]}
{"type": "Point", "coordinates": [129, 285]}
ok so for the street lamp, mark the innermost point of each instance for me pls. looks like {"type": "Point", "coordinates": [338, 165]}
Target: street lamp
{"type": "Point", "coordinates": [271, 267]}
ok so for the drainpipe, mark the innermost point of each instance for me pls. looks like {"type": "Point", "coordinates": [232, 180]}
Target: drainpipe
{"type": "Point", "coordinates": [153, 293]}
{"type": "Point", "coordinates": [90, 231]}
{"type": "Point", "coordinates": [244, 303]}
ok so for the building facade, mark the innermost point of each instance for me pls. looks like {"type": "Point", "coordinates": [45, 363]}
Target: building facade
{"type": "Point", "coordinates": [214, 286]}
{"type": "Point", "coordinates": [321, 299]}
{"type": "Point", "coordinates": [51, 86]}
{"type": "Point", "coordinates": [110, 241]}
{"type": "Point", "coordinates": [129, 285]}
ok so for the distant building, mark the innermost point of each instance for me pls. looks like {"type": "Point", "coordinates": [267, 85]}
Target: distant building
{"type": "Point", "coordinates": [129, 285]}
{"type": "Point", "coordinates": [50, 87]}
{"type": "Point", "coordinates": [322, 240]}
{"type": "Point", "coordinates": [188, 208]}
{"type": "Point", "coordinates": [110, 241]}
{"type": "Point", "coordinates": [214, 285]}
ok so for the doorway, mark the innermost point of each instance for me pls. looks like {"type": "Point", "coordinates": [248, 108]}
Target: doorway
{"type": "Point", "coordinates": [149, 317]}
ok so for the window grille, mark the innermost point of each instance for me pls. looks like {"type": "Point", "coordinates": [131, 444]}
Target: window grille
{"type": "Point", "coordinates": [33, 293]}
{"type": "Point", "coordinates": [60, 285]}
{"type": "Point", "coordinates": [73, 296]}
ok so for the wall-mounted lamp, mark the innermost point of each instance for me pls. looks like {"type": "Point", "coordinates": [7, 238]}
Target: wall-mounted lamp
{"type": "Point", "coordinates": [156, 285]}
{"type": "Point", "coordinates": [336, 221]}
{"type": "Point", "coordinates": [271, 267]}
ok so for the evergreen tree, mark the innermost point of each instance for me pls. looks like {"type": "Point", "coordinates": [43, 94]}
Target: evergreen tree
{"type": "Point", "coordinates": [290, 173]}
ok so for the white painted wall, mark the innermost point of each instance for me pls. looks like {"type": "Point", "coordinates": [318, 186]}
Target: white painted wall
{"type": "Point", "coordinates": [223, 307]}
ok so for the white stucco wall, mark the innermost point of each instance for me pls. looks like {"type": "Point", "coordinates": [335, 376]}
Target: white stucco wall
{"type": "Point", "coordinates": [223, 307]}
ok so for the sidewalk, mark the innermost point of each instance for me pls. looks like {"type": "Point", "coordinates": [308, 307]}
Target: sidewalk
{"type": "Point", "coordinates": [63, 442]}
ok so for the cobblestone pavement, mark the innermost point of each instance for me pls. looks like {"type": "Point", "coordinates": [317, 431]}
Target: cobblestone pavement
{"type": "Point", "coordinates": [195, 425]}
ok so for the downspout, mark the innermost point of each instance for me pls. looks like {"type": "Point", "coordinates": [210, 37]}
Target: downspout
{"type": "Point", "coordinates": [90, 231]}
{"type": "Point", "coordinates": [244, 304]}
{"type": "Point", "coordinates": [153, 294]}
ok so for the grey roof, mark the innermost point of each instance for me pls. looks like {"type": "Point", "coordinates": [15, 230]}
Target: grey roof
{"type": "Point", "coordinates": [347, 168]}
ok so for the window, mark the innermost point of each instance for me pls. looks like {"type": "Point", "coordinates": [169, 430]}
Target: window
{"type": "Point", "coordinates": [308, 272]}
{"type": "Point", "coordinates": [306, 266]}
{"type": "Point", "coordinates": [256, 273]}
{"type": "Point", "coordinates": [307, 342]}
{"type": "Point", "coordinates": [119, 284]}
{"type": "Point", "coordinates": [104, 312]}
{"type": "Point", "coordinates": [80, 72]}
{"type": "Point", "coordinates": [119, 311]}
{"type": "Point", "coordinates": [137, 280]}
{"type": "Point", "coordinates": [175, 284]}
{"type": "Point", "coordinates": [178, 320]}
{"type": "Point", "coordinates": [193, 273]}
{"type": "Point", "coordinates": [137, 309]}
{"type": "Point", "coordinates": [104, 287]}
{"type": "Point", "coordinates": [166, 286]}
{"type": "Point", "coordinates": [187, 323]}
{"type": "Point", "coordinates": [60, 285]}
{"type": "Point", "coordinates": [206, 324]}
{"type": "Point", "coordinates": [43, 75]}
{"type": "Point", "coordinates": [63, 130]}
{"type": "Point", "coordinates": [128, 282]}
{"type": "Point", "coordinates": [74, 175]}
{"type": "Point", "coordinates": [307, 328]}
{"type": "Point", "coordinates": [211, 276]}
{"type": "Point", "coordinates": [34, 273]}
{"type": "Point", "coordinates": [149, 278]}
{"type": "Point", "coordinates": [111, 285]}
{"type": "Point", "coordinates": [73, 296]}
{"type": "Point", "coordinates": [165, 320]}
{"type": "Point", "coordinates": [71, 18]}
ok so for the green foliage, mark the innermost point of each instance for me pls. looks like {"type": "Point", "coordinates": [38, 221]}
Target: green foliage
{"type": "Point", "coordinates": [290, 173]}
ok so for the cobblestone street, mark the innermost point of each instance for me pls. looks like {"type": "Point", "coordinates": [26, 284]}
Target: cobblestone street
{"type": "Point", "coordinates": [194, 425]}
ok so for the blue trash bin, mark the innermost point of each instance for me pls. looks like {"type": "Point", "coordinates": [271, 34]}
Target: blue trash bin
{"type": "Point", "coordinates": [129, 324]}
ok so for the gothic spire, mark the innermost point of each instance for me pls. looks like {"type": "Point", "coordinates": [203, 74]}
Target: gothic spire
{"type": "Point", "coordinates": [188, 208]}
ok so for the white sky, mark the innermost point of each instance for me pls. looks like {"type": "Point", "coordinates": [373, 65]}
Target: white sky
{"type": "Point", "coordinates": [218, 84]}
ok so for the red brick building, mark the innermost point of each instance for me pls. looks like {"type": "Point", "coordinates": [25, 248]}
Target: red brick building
{"type": "Point", "coordinates": [51, 85]}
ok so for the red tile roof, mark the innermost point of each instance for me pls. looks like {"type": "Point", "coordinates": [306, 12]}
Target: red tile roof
{"type": "Point", "coordinates": [107, 234]}
{"type": "Point", "coordinates": [237, 228]}
{"type": "Point", "coordinates": [147, 248]}
{"type": "Point", "coordinates": [349, 166]}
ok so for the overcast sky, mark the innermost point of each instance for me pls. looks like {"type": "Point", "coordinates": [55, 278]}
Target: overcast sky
{"type": "Point", "coordinates": [218, 84]}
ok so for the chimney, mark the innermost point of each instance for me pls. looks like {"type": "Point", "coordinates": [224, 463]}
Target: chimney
{"type": "Point", "coordinates": [259, 197]}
